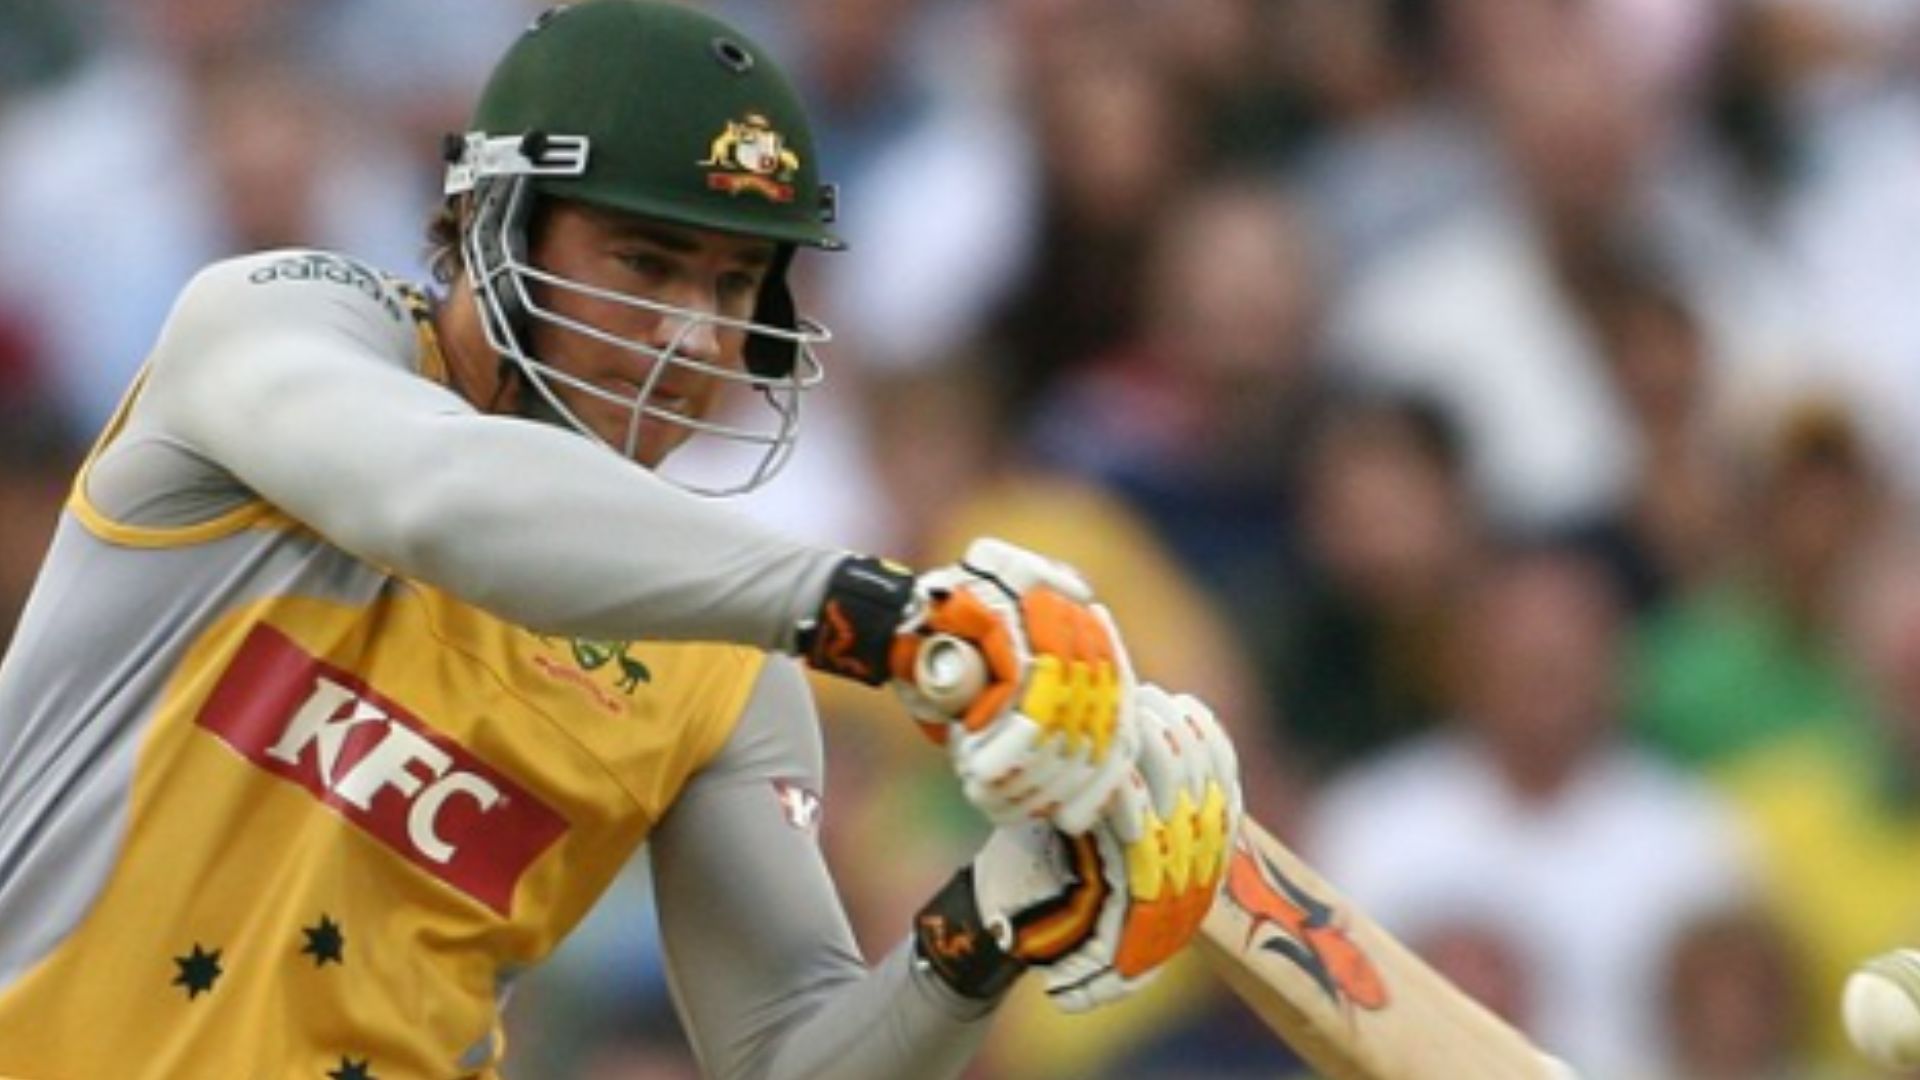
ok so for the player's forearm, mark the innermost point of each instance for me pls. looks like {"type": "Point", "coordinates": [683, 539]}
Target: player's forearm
{"type": "Point", "coordinates": [533, 523]}
{"type": "Point", "coordinates": [541, 528]}
{"type": "Point", "coordinates": [582, 543]}
{"type": "Point", "coordinates": [765, 968]}
{"type": "Point", "coordinates": [896, 1021]}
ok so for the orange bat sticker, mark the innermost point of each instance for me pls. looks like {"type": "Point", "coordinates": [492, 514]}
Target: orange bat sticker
{"type": "Point", "coordinates": [1305, 931]}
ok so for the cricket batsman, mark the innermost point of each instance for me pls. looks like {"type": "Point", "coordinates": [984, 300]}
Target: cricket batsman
{"type": "Point", "coordinates": [373, 641]}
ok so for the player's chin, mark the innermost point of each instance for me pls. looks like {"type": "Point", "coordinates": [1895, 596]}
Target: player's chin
{"type": "Point", "coordinates": [658, 442]}
{"type": "Point", "coordinates": [614, 423]}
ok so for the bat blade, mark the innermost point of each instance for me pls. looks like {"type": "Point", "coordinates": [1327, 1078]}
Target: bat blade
{"type": "Point", "coordinates": [1347, 996]}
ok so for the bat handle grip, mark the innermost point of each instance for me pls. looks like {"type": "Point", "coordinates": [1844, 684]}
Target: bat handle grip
{"type": "Point", "coordinates": [950, 673]}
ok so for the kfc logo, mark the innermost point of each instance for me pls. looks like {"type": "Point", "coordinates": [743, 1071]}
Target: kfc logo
{"type": "Point", "coordinates": [425, 796]}
{"type": "Point", "coordinates": [396, 762]}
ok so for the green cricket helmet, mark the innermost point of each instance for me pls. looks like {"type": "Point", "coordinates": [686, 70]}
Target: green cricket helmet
{"type": "Point", "coordinates": [657, 110]}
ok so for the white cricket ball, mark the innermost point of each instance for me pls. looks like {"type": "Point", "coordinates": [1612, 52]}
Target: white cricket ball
{"type": "Point", "coordinates": [1881, 1007]}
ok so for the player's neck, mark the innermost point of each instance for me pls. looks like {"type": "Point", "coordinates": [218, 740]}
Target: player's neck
{"type": "Point", "coordinates": [473, 368]}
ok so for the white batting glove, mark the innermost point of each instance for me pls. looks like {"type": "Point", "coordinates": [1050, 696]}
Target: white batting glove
{"type": "Point", "coordinates": [1097, 915]}
{"type": "Point", "coordinates": [1049, 735]}
{"type": "Point", "coordinates": [1164, 846]}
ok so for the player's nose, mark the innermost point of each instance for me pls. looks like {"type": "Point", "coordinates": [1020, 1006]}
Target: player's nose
{"type": "Point", "coordinates": [689, 333]}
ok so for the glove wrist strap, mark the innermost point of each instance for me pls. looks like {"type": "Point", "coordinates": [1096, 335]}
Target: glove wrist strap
{"type": "Point", "coordinates": [866, 602]}
{"type": "Point", "coordinates": [951, 939]}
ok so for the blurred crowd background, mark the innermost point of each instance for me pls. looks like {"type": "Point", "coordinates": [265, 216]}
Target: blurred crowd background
{"type": "Point", "coordinates": [1505, 412]}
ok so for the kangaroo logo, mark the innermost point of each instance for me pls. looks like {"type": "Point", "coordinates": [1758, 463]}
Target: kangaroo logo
{"type": "Point", "coordinates": [750, 156]}
{"type": "Point", "coordinates": [593, 655]}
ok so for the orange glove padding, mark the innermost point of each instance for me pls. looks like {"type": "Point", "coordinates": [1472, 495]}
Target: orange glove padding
{"type": "Point", "coordinates": [1049, 735]}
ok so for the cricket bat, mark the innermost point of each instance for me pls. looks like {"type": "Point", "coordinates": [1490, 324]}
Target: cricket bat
{"type": "Point", "coordinates": [1339, 989]}
{"type": "Point", "coordinates": [1347, 996]}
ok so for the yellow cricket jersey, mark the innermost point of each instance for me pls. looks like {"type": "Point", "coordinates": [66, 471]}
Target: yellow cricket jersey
{"type": "Point", "coordinates": [279, 813]}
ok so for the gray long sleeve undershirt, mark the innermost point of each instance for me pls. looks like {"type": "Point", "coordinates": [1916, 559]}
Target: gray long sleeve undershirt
{"type": "Point", "coordinates": [764, 967]}
{"type": "Point", "coordinates": [304, 392]}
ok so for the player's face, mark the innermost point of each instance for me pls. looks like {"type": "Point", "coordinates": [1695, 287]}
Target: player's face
{"type": "Point", "coordinates": [701, 272]}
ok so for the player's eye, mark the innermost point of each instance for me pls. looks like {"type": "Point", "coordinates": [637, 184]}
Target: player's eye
{"type": "Point", "coordinates": [648, 265]}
